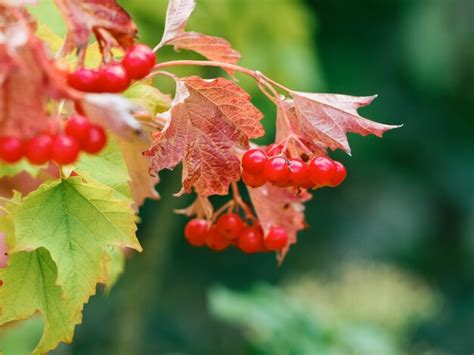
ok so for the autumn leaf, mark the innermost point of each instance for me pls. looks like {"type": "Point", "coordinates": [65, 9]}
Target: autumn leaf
{"type": "Point", "coordinates": [208, 120]}
{"type": "Point", "coordinates": [200, 208]}
{"type": "Point", "coordinates": [325, 119]}
{"type": "Point", "coordinates": [35, 76]}
{"type": "Point", "coordinates": [113, 112]}
{"type": "Point", "coordinates": [277, 206]}
{"type": "Point", "coordinates": [177, 16]}
{"type": "Point", "coordinates": [142, 183]}
{"type": "Point", "coordinates": [17, 3]}
{"type": "Point", "coordinates": [109, 22]}
{"type": "Point", "coordinates": [213, 48]}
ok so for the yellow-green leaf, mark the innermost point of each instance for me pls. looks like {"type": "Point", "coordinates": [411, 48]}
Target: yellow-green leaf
{"type": "Point", "coordinates": [29, 286]}
{"type": "Point", "coordinates": [76, 221]}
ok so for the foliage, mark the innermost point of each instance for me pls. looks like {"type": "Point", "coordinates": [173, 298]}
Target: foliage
{"type": "Point", "coordinates": [337, 316]}
{"type": "Point", "coordinates": [67, 226]}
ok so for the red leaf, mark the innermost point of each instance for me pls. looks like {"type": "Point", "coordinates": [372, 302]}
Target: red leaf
{"type": "Point", "coordinates": [209, 120]}
{"type": "Point", "coordinates": [105, 18]}
{"type": "Point", "coordinates": [28, 82]}
{"type": "Point", "coordinates": [325, 119]}
{"type": "Point", "coordinates": [177, 17]}
{"type": "Point", "coordinates": [213, 48]}
{"type": "Point", "coordinates": [276, 206]}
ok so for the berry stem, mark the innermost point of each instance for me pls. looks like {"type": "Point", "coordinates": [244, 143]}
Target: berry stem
{"type": "Point", "coordinates": [240, 202]}
{"type": "Point", "coordinates": [258, 76]}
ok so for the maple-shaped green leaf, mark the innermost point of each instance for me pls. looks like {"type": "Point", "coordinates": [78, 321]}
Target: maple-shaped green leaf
{"type": "Point", "coordinates": [76, 221]}
{"type": "Point", "coordinates": [29, 286]}
{"type": "Point", "coordinates": [108, 168]}
{"type": "Point", "coordinates": [14, 169]}
{"type": "Point", "coordinates": [115, 266]}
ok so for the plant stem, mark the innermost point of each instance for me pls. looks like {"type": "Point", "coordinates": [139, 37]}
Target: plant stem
{"type": "Point", "coordinates": [258, 76]}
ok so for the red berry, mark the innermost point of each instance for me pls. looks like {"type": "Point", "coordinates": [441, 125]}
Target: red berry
{"type": "Point", "coordinates": [84, 80]}
{"type": "Point", "coordinates": [39, 149]}
{"type": "Point", "coordinates": [251, 240]}
{"type": "Point", "coordinates": [65, 150]}
{"type": "Point", "coordinates": [95, 141]}
{"type": "Point", "coordinates": [254, 161]}
{"type": "Point", "coordinates": [113, 78]}
{"type": "Point", "coordinates": [142, 48]}
{"type": "Point", "coordinates": [276, 239]}
{"type": "Point", "coordinates": [277, 170]}
{"type": "Point", "coordinates": [298, 173]}
{"type": "Point", "coordinates": [138, 61]}
{"type": "Point", "coordinates": [322, 170]}
{"type": "Point", "coordinates": [230, 225]}
{"type": "Point", "coordinates": [195, 232]}
{"type": "Point", "coordinates": [274, 149]}
{"type": "Point", "coordinates": [215, 240]}
{"type": "Point", "coordinates": [253, 180]}
{"type": "Point", "coordinates": [340, 174]}
{"type": "Point", "coordinates": [308, 183]}
{"type": "Point", "coordinates": [78, 127]}
{"type": "Point", "coordinates": [11, 149]}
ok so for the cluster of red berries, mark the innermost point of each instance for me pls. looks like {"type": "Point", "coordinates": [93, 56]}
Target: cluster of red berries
{"type": "Point", "coordinates": [117, 76]}
{"type": "Point", "coordinates": [261, 166]}
{"type": "Point", "coordinates": [80, 135]}
{"type": "Point", "coordinates": [231, 230]}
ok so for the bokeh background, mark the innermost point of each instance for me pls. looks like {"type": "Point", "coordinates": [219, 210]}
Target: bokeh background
{"type": "Point", "coordinates": [387, 266]}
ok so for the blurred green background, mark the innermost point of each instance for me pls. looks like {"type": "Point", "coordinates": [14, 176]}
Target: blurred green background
{"type": "Point", "coordinates": [387, 266]}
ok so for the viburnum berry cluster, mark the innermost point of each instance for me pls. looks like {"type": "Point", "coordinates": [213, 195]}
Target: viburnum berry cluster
{"type": "Point", "coordinates": [230, 230]}
{"type": "Point", "coordinates": [64, 228]}
{"type": "Point", "coordinates": [63, 148]}
{"type": "Point", "coordinates": [273, 166]}
{"type": "Point", "coordinates": [115, 77]}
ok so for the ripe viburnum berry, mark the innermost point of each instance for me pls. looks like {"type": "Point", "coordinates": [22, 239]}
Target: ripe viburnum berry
{"type": "Point", "coordinates": [322, 170]}
{"type": "Point", "coordinates": [277, 170]}
{"type": "Point", "coordinates": [138, 61]}
{"type": "Point", "coordinates": [215, 241]}
{"type": "Point", "coordinates": [230, 225]}
{"type": "Point", "coordinates": [95, 140]}
{"type": "Point", "coordinates": [251, 240]}
{"type": "Point", "coordinates": [11, 149]}
{"type": "Point", "coordinates": [39, 149]}
{"type": "Point", "coordinates": [113, 78]}
{"type": "Point", "coordinates": [276, 239]}
{"type": "Point", "coordinates": [84, 80]}
{"type": "Point", "coordinates": [195, 232]}
{"type": "Point", "coordinates": [253, 161]}
{"type": "Point", "coordinates": [340, 174]}
{"type": "Point", "coordinates": [298, 173]}
{"type": "Point", "coordinates": [65, 150]}
{"type": "Point", "coordinates": [254, 180]}
{"type": "Point", "coordinates": [78, 127]}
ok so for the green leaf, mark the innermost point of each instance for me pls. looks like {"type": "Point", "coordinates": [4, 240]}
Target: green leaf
{"type": "Point", "coordinates": [7, 169]}
{"type": "Point", "coordinates": [22, 337]}
{"type": "Point", "coordinates": [148, 98]}
{"type": "Point", "coordinates": [115, 267]}
{"type": "Point", "coordinates": [76, 221]}
{"type": "Point", "coordinates": [29, 286]}
{"type": "Point", "coordinates": [108, 168]}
